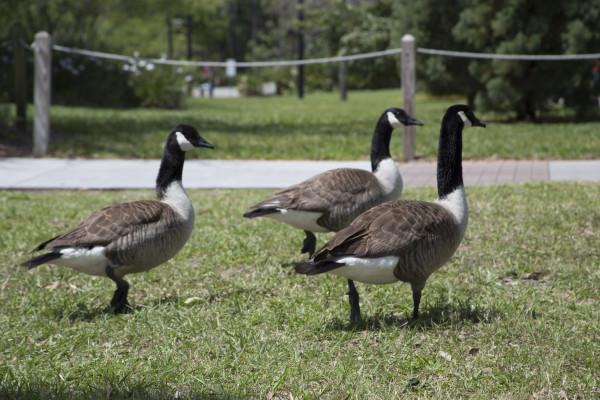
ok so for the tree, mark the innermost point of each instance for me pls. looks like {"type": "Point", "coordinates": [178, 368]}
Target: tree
{"type": "Point", "coordinates": [502, 26]}
{"type": "Point", "coordinates": [371, 30]}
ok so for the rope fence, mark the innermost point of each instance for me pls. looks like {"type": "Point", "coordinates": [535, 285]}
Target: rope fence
{"type": "Point", "coordinates": [43, 47]}
{"type": "Point", "coordinates": [326, 60]}
{"type": "Point", "coordinates": [509, 57]}
{"type": "Point", "coordinates": [223, 64]}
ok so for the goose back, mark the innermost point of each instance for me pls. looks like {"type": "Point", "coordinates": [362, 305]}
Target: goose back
{"type": "Point", "coordinates": [340, 195]}
{"type": "Point", "coordinates": [422, 235]}
{"type": "Point", "coordinates": [136, 236]}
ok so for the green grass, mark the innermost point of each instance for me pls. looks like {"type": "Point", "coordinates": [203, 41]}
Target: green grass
{"type": "Point", "coordinates": [253, 328]}
{"type": "Point", "coordinates": [320, 127]}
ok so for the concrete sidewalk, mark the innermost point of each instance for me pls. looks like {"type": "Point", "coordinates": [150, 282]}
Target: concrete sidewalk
{"type": "Point", "coordinates": [53, 173]}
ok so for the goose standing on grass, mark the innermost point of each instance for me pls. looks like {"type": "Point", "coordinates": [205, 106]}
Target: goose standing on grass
{"type": "Point", "coordinates": [331, 200]}
{"type": "Point", "coordinates": [134, 236]}
{"type": "Point", "coordinates": [404, 240]}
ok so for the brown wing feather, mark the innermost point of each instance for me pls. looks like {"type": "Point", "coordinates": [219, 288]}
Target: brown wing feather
{"type": "Point", "coordinates": [111, 223]}
{"type": "Point", "coordinates": [392, 228]}
{"type": "Point", "coordinates": [340, 194]}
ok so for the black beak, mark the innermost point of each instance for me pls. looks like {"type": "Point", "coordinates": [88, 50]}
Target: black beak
{"type": "Point", "coordinates": [478, 123]}
{"type": "Point", "coordinates": [412, 121]}
{"type": "Point", "coordinates": [203, 143]}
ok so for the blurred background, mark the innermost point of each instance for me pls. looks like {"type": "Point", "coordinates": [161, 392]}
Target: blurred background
{"type": "Point", "coordinates": [255, 30]}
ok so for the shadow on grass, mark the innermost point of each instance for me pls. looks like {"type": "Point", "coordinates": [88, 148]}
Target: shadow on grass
{"type": "Point", "coordinates": [86, 313]}
{"type": "Point", "coordinates": [82, 312]}
{"type": "Point", "coordinates": [115, 391]}
{"type": "Point", "coordinates": [123, 132]}
{"type": "Point", "coordinates": [438, 316]}
{"type": "Point", "coordinates": [157, 302]}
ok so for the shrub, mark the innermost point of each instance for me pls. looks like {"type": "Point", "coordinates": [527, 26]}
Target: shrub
{"type": "Point", "coordinates": [83, 81]}
{"type": "Point", "coordinates": [155, 85]}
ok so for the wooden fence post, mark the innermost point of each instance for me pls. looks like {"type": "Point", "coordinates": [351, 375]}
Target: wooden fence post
{"type": "Point", "coordinates": [343, 67]}
{"type": "Point", "coordinates": [408, 92]}
{"type": "Point", "coordinates": [41, 93]}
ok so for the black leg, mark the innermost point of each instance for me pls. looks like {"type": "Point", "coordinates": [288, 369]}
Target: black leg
{"type": "Point", "coordinates": [416, 302]}
{"type": "Point", "coordinates": [310, 244]}
{"type": "Point", "coordinates": [119, 302]}
{"type": "Point", "coordinates": [354, 303]}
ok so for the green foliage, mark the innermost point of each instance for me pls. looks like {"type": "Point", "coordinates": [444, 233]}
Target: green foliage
{"type": "Point", "coordinates": [155, 85]}
{"type": "Point", "coordinates": [268, 29]}
{"type": "Point", "coordinates": [371, 32]}
{"type": "Point", "coordinates": [521, 27]}
{"type": "Point", "coordinates": [83, 81]}
{"type": "Point", "coordinates": [250, 83]}
{"type": "Point", "coordinates": [514, 315]}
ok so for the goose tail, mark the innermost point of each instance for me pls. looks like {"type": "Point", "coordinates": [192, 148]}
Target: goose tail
{"type": "Point", "coordinates": [39, 260]}
{"type": "Point", "coordinates": [311, 267]}
{"type": "Point", "coordinates": [259, 212]}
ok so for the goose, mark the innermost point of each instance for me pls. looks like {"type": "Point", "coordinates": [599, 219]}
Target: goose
{"type": "Point", "coordinates": [134, 236]}
{"type": "Point", "coordinates": [331, 200]}
{"type": "Point", "coordinates": [404, 240]}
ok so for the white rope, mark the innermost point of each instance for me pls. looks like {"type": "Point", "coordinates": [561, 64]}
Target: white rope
{"type": "Point", "coordinates": [323, 60]}
{"type": "Point", "coordinates": [352, 57]}
{"type": "Point", "coordinates": [515, 57]}
{"type": "Point", "coordinates": [251, 64]}
{"type": "Point", "coordinates": [89, 53]}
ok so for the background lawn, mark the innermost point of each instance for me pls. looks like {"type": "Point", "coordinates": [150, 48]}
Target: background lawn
{"type": "Point", "coordinates": [320, 127]}
{"type": "Point", "coordinates": [516, 313]}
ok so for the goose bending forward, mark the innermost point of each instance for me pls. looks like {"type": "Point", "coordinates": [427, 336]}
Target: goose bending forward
{"type": "Point", "coordinates": [404, 240]}
{"type": "Point", "coordinates": [135, 236]}
{"type": "Point", "coordinates": [331, 200]}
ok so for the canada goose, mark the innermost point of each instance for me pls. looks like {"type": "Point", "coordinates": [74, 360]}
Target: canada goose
{"type": "Point", "coordinates": [134, 236]}
{"type": "Point", "coordinates": [331, 200]}
{"type": "Point", "coordinates": [404, 240]}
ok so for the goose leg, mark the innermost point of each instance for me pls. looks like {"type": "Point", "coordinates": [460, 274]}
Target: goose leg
{"type": "Point", "coordinates": [354, 303]}
{"type": "Point", "coordinates": [416, 302]}
{"type": "Point", "coordinates": [119, 302]}
{"type": "Point", "coordinates": [416, 291]}
{"type": "Point", "coordinates": [310, 243]}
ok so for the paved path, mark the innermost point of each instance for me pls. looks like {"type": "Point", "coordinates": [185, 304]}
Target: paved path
{"type": "Point", "coordinates": [53, 173]}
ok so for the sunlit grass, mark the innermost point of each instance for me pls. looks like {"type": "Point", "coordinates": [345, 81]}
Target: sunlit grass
{"type": "Point", "coordinates": [320, 127]}
{"type": "Point", "coordinates": [516, 313]}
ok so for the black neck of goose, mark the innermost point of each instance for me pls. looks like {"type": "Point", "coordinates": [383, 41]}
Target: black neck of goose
{"type": "Point", "coordinates": [380, 145]}
{"type": "Point", "coordinates": [449, 166]}
{"type": "Point", "coordinates": [171, 167]}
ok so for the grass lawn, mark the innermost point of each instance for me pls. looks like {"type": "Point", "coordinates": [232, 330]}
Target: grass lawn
{"type": "Point", "coordinates": [515, 314]}
{"type": "Point", "coordinates": [319, 127]}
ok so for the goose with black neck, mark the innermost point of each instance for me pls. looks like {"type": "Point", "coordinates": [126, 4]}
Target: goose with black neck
{"type": "Point", "coordinates": [404, 240]}
{"type": "Point", "coordinates": [134, 236]}
{"type": "Point", "coordinates": [331, 200]}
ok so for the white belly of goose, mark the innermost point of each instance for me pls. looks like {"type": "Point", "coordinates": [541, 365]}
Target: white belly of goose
{"type": "Point", "coordinates": [368, 270]}
{"type": "Point", "coordinates": [306, 220]}
{"type": "Point", "coordinates": [89, 261]}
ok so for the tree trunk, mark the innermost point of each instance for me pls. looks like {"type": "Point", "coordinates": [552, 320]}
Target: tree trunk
{"type": "Point", "coordinates": [471, 100]}
{"type": "Point", "coordinates": [20, 76]}
{"type": "Point", "coordinates": [300, 77]}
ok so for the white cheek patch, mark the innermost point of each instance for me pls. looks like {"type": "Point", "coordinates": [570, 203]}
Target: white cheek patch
{"type": "Point", "coordinates": [393, 120]}
{"type": "Point", "coordinates": [465, 119]}
{"type": "Point", "coordinates": [183, 143]}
